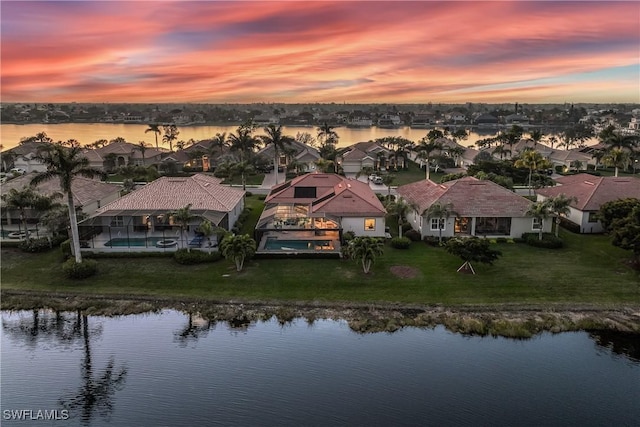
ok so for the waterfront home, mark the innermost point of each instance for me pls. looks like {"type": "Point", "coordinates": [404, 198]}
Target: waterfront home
{"type": "Point", "coordinates": [482, 208]}
{"type": "Point", "coordinates": [120, 153]}
{"type": "Point", "coordinates": [88, 196]}
{"type": "Point", "coordinates": [147, 213]}
{"type": "Point", "coordinates": [589, 193]}
{"type": "Point", "coordinates": [315, 210]}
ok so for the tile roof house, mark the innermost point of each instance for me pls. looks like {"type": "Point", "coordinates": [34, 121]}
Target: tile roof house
{"type": "Point", "coordinates": [23, 157]}
{"type": "Point", "coordinates": [148, 209]}
{"type": "Point", "coordinates": [304, 155]}
{"type": "Point", "coordinates": [591, 192]}
{"type": "Point", "coordinates": [321, 204]}
{"type": "Point", "coordinates": [88, 194]}
{"type": "Point", "coordinates": [125, 154]}
{"type": "Point", "coordinates": [483, 208]}
{"type": "Point", "coordinates": [365, 154]}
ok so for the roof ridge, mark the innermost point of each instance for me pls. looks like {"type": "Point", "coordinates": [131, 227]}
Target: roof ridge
{"type": "Point", "coordinates": [595, 188]}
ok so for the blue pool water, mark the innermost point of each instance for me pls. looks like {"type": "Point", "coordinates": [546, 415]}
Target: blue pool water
{"type": "Point", "coordinates": [278, 244]}
{"type": "Point", "coordinates": [133, 241]}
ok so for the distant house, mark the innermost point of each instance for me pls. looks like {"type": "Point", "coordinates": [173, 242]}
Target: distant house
{"type": "Point", "coordinates": [122, 154]}
{"type": "Point", "coordinates": [320, 206]}
{"type": "Point", "coordinates": [591, 192]}
{"type": "Point", "coordinates": [148, 210]}
{"type": "Point", "coordinates": [483, 209]}
{"type": "Point", "coordinates": [486, 121]}
{"type": "Point", "coordinates": [516, 119]}
{"type": "Point", "coordinates": [88, 194]}
{"type": "Point", "coordinates": [23, 157]}
{"type": "Point", "coordinates": [304, 156]}
{"type": "Point", "coordinates": [366, 154]}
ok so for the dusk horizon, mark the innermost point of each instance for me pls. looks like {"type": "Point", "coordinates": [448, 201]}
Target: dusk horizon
{"type": "Point", "coordinates": [320, 52]}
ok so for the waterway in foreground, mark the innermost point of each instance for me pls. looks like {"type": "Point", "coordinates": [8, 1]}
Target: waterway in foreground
{"type": "Point", "coordinates": [172, 368]}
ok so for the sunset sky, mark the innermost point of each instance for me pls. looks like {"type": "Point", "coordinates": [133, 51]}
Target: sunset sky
{"type": "Point", "coordinates": [290, 51]}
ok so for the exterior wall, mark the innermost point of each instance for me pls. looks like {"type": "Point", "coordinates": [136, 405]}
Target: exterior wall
{"type": "Point", "coordinates": [351, 167]}
{"type": "Point", "coordinates": [518, 227]}
{"type": "Point", "coordinates": [235, 213]}
{"type": "Point", "coordinates": [29, 165]}
{"type": "Point", "coordinates": [585, 225]}
{"type": "Point", "coordinates": [356, 224]}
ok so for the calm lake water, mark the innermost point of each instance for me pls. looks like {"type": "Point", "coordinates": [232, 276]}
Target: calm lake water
{"type": "Point", "coordinates": [87, 133]}
{"type": "Point", "coordinates": [170, 369]}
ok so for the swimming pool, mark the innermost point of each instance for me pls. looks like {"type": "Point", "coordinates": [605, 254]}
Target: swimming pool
{"type": "Point", "coordinates": [133, 241]}
{"type": "Point", "coordinates": [310, 245]}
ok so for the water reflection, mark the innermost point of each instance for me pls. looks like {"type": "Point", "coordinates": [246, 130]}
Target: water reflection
{"type": "Point", "coordinates": [622, 343]}
{"type": "Point", "coordinates": [257, 366]}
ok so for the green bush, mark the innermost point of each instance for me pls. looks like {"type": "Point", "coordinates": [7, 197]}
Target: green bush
{"type": "Point", "coordinates": [431, 240]}
{"type": "Point", "coordinates": [406, 226]}
{"type": "Point", "coordinates": [348, 236]}
{"type": "Point", "coordinates": [42, 244]}
{"type": "Point", "coordinates": [400, 242]}
{"type": "Point", "coordinates": [549, 241]}
{"type": "Point", "coordinates": [501, 240]}
{"type": "Point", "coordinates": [66, 248]}
{"type": "Point", "coordinates": [413, 235]}
{"type": "Point", "coordinates": [73, 270]}
{"type": "Point", "coordinates": [184, 257]}
{"type": "Point", "coordinates": [248, 193]}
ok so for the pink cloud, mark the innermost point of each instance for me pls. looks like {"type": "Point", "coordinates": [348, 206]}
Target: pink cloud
{"type": "Point", "coordinates": [320, 51]}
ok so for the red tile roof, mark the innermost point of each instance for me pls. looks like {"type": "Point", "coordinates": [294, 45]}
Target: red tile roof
{"type": "Point", "coordinates": [202, 191]}
{"type": "Point", "coordinates": [593, 191]}
{"type": "Point", "coordinates": [339, 196]}
{"type": "Point", "coordinates": [469, 197]}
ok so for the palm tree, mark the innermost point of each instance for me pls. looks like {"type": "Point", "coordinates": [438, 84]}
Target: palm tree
{"type": "Point", "coordinates": [28, 198]}
{"type": "Point", "coordinates": [170, 134]}
{"type": "Point", "coordinates": [365, 250]}
{"type": "Point", "coordinates": [226, 170]}
{"type": "Point", "coordinates": [278, 141]}
{"type": "Point", "coordinates": [243, 169]}
{"type": "Point", "coordinates": [183, 217]}
{"type": "Point", "coordinates": [243, 141]}
{"type": "Point", "coordinates": [219, 143]}
{"type": "Point", "coordinates": [155, 128]}
{"type": "Point", "coordinates": [142, 147]}
{"type": "Point", "coordinates": [206, 228]}
{"type": "Point", "coordinates": [428, 145]}
{"type": "Point", "coordinates": [400, 208]}
{"type": "Point", "coordinates": [539, 211]}
{"type": "Point", "coordinates": [560, 206]}
{"type": "Point", "coordinates": [238, 248]}
{"type": "Point", "coordinates": [65, 161]}
{"type": "Point", "coordinates": [617, 158]}
{"type": "Point", "coordinates": [532, 160]}
{"type": "Point", "coordinates": [327, 134]}
{"type": "Point", "coordinates": [442, 212]}
{"type": "Point", "coordinates": [536, 136]}
{"type": "Point", "coordinates": [366, 170]}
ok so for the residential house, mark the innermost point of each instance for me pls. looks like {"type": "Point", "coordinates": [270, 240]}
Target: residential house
{"type": "Point", "coordinates": [366, 154]}
{"type": "Point", "coordinates": [88, 195]}
{"type": "Point", "coordinates": [589, 193]}
{"type": "Point", "coordinates": [319, 207]}
{"type": "Point", "coordinates": [119, 153]}
{"type": "Point", "coordinates": [482, 208]}
{"type": "Point", "coordinates": [148, 212]}
{"type": "Point", "coordinates": [24, 157]}
{"type": "Point", "coordinates": [303, 156]}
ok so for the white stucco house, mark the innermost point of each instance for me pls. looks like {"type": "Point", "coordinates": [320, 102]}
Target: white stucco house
{"type": "Point", "coordinates": [589, 193]}
{"type": "Point", "coordinates": [483, 209]}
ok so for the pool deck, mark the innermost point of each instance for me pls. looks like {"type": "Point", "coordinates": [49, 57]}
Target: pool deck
{"type": "Point", "coordinates": [173, 241]}
{"type": "Point", "coordinates": [299, 235]}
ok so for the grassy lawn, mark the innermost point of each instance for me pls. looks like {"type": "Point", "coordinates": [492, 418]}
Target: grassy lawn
{"type": "Point", "coordinates": [255, 179]}
{"type": "Point", "coordinates": [587, 271]}
{"type": "Point", "coordinates": [412, 174]}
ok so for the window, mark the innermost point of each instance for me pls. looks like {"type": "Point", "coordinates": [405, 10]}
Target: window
{"type": "Point", "coordinates": [593, 217]}
{"type": "Point", "coordinates": [370, 224]}
{"type": "Point", "coordinates": [537, 224]}
{"type": "Point", "coordinates": [442, 222]}
{"type": "Point", "coordinates": [117, 221]}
